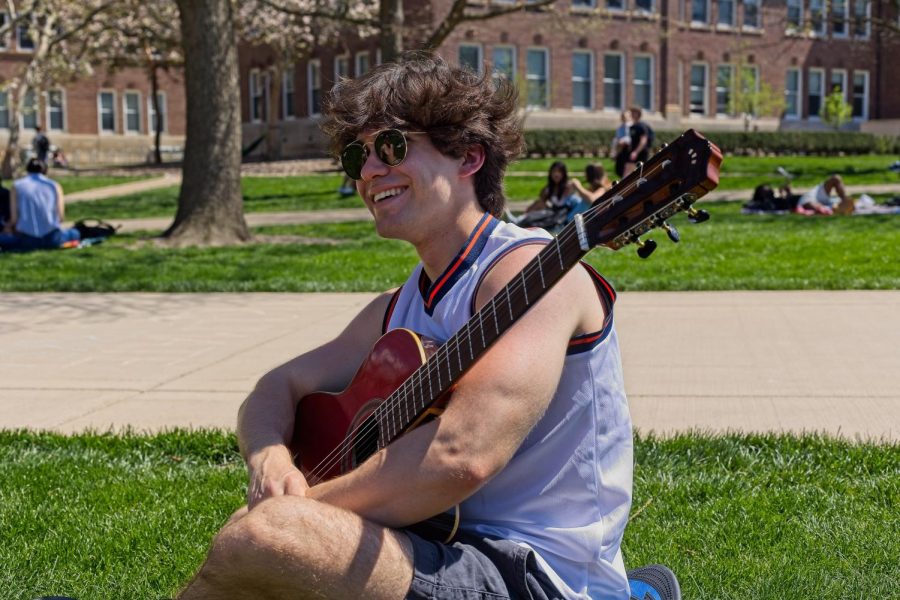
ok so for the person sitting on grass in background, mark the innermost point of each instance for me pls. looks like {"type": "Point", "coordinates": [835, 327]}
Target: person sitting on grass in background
{"type": "Point", "coordinates": [597, 183]}
{"type": "Point", "coordinates": [817, 201]}
{"type": "Point", "coordinates": [558, 194]}
{"type": "Point", "coordinates": [37, 210]}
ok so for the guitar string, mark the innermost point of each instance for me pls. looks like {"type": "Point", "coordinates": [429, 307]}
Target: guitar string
{"type": "Point", "coordinates": [380, 414]}
{"type": "Point", "coordinates": [385, 411]}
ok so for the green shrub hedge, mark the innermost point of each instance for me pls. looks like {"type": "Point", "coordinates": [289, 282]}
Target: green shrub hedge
{"type": "Point", "coordinates": [596, 142]}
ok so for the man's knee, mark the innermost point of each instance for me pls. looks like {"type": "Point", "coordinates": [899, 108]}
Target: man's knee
{"type": "Point", "coordinates": [263, 529]}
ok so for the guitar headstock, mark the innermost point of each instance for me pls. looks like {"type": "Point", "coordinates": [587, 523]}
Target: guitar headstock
{"type": "Point", "coordinates": [670, 182]}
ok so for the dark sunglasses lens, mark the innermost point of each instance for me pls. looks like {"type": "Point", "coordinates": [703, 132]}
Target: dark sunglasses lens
{"type": "Point", "coordinates": [352, 159]}
{"type": "Point", "coordinates": [390, 147]}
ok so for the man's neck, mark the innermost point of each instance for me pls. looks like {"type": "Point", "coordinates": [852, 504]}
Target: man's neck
{"type": "Point", "coordinates": [436, 251]}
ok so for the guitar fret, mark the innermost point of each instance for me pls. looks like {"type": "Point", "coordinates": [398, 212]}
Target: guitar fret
{"type": "Point", "coordinates": [541, 270]}
{"type": "Point", "coordinates": [469, 337]}
{"type": "Point", "coordinates": [481, 329]}
{"type": "Point", "coordinates": [496, 320]}
{"type": "Point", "coordinates": [509, 304]}
{"type": "Point", "coordinates": [438, 369]}
{"type": "Point", "coordinates": [562, 265]}
{"type": "Point", "coordinates": [459, 356]}
{"type": "Point", "coordinates": [524, 286]}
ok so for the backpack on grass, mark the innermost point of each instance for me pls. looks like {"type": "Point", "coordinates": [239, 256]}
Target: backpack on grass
{"type": "Point", "coordinates": [95, 228]}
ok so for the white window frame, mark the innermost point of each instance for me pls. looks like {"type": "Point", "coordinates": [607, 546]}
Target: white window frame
{"type": "Point", "coordinates": [20, 30]}
{"type": "Point", "coordinates": [867, 16]}
{"type": "Point", "coordinates": [479, 50]}
{"type": "Point", "coordinates": [842, 72]}
{"type": "Point", "coordinates": [151, 114]}
{"type": "Point", "coordinates": [798, 26]}
{"type": "Point", "coordinates": [652, 81]}
{"type": "Point", "coordinates": [865, 106]}
{"type": "Point", "coordinates": [722, 111]}
{"type": "Point", "coordinates": [357, 60]}
{"type": "Point", "coordinates": [708, 9]}
{"type": "Point", "coordinates": [821, 73]}
{"type": "Point", "coordinates": [819, 10]}
{"type": "Point", "coordinates": [125, 112]}
{"type": "Point", "coordinates": [582, 5]}
{"type": "Point", "coordinates": [639, 10]}
{"type": "Point", "coordinates": [590, 80]}
{"type": "Point", "coordinates": [100, 113]}
{"type": "Point", "coordinates": [705, 105]}
{"type": "Point", "coordinates": [834, 18]}
{"type": "Point", "coordinates": [337, 69]}
{"type": "Point", "coordinates": [313, 66]}
{"type": "Point", "coordinates": [730, 24]}
{"type": "Point", "coordinates": [288, 88]}
{"type": "Point", "coordinates": [759, 14]}
{"type": "Point", "coordinates": [377, 56]}
{"type": "Point", "coordinates": [497, 76]}
{"type": "Point", "coordinates": [622, 81]}
{"type": "Point", "coordinates": [798, 114]}
{"type": "Point", "coordinates": [4, 106]}
{"type": "Point", "coordinates": [48, 112]}
{"type": "Point", "coordinates": [548, 79]}
{"type": "Point", "coordinates": [257, 91]}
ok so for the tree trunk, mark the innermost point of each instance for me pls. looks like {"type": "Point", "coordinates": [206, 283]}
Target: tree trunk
{"type": "Point", "coordinates": [391, 36]}
{"type": "Point", "coordinates": [210, 207]}
{"type": "Point", "coordinates": [11, 155]}
{"type": "Point", "coordinates": [154, 99]}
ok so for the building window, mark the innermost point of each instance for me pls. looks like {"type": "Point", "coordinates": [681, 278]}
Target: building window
{"type": "Point", "coordinates": [840, 25]}
{"type": "Point", "coordinates": [583, 80]}
{"type": "Point", "coordinates": [726, 13]}
{"type": "Point", "coordinates": [615, 4]}
{"type": "Point", "coordinates": [584, 3]}
{"type": "Point", "coordinates": [4, 110]}
{"type": "Point", "coordinates": [362, 63]}
{"type": "Point", "coordinates": [470, 57]}
{"type": "Point", "coordinates": [287, 93]}
{"type": "Point", "coordinates": [862, 12]}
{"type": "Point", "coordinates": [258, 82]}
{"type": "Point", "coordinates": [163, 111]}
{"type": "Point", "coordinates": [751, 13]}
{"type": "Point", "coordinates": [643, 82]}
{"type": "Point", "coordinates": [56, 112]}
{"type": "Point", "coordinates": [724, 83]}
{"type": "Point", "coordinates": [816, 87]}
{"type": "Point", "coordinates": [792, 94]}
{"type": "Point", "coordinates": [643, 5]}
{"type": "Point", "coordinates": [315, 87]}
{"type": "Point", "coordinates": [4, 18]}
{"type": "Point", "coordinates": [817, 17]}
{"type": "Point", "coordinates": [504, 64]}
{"type": "Point", "coordinates": [838, 82]}
{"type": "Point", "coordinates": [795, 15]}
{"type": "Point", "coordinates": [23, 40]}
{"type": "Point", "coordinates": [131, 111]}
{"type": "Point", "coordinates": [700, 11]}
{"type": "Point", "coordinates": [106, 102]}
{"type": "Point", "coordinates": [613, 90]}
{"type": "Point", "coordinates": [698, 89]}
{"type": "Point", "coordinates": [861, 95]}
{"type": "Point", "coordinates": [749, 85]}
{"type": "Point", "coordinates": [536, 77]}
{"type": "Point", "coordinates": [341, 67]}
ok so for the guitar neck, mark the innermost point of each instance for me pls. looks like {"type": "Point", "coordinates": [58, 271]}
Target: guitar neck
{"type": "Point", "coordinates": [451, 361]}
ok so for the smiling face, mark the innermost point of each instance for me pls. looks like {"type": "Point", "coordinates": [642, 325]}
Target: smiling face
{"type": "Point", "coordinates": [419, 199]}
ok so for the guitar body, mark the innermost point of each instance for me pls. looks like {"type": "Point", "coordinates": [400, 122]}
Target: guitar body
{"type": "Point", "coordinates": [335, 433]}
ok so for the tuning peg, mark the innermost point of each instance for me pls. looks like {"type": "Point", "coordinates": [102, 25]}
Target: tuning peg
{"type": "Point", "coordinates": [645, 248]}
{"type": "Point", "coordinates": [697, 216]}
{"type": "Point", "coordinates": [671, 232]}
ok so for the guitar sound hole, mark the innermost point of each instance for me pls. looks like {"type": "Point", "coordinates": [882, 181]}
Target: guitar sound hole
{"type": "Point", "coordinates": [365, 441]}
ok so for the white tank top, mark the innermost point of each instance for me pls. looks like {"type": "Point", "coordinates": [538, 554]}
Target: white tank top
{"type": "Point", "coordinates": [566, 492]}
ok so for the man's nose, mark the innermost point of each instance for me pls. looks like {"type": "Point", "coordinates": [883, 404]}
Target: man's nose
{"type": "Point", "coordinates": [373, 167]}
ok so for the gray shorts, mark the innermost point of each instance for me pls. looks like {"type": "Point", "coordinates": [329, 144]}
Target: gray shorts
{"type": "Point", "coordinates": [473, 567]}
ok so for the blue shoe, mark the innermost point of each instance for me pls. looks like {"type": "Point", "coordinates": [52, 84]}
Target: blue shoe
{"type": "Point", "coordinates": [653, 582]}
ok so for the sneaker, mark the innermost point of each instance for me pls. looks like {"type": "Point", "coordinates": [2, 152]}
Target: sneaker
{"type": "Point", "coordinates": [653, 582]}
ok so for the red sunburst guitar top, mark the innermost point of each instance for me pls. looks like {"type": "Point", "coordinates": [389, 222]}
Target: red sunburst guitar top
{"type": "Point", "coordinates": [407, 379]}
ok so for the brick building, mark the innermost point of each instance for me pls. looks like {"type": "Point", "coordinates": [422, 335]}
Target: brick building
{"type": "Point", "coordinates": [579, 65]}
{"type": "Point", "coordinates": [105, 119]}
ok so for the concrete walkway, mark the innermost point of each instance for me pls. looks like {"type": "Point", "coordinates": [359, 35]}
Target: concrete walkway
{"type": "Point", "coordinates": [168, 179]}
{"type": "Point", "coordinates": [749, 361]}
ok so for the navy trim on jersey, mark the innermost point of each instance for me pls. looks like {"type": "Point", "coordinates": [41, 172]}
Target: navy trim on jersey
{"type": "Point", "coordinates": [390, 310]}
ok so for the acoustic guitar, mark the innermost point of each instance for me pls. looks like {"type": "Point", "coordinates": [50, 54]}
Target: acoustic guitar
{"type": "Point", "coordinates": [407, 379]}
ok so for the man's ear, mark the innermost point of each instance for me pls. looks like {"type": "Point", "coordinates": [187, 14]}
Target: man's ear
{"type": "Point", "coordinates": [472, 160]}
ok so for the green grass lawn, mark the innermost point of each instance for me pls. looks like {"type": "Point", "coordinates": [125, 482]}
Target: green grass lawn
{"type": "Point", "coordinates": [731, 251]}
{"type": "Point", "coordinates": [78, 183]}
{"type": "Point", "coordinates": [736, 517]}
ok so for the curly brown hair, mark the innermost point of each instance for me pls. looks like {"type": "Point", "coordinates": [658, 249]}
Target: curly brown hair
{"type": "Point", "coordinates": [456, 107]}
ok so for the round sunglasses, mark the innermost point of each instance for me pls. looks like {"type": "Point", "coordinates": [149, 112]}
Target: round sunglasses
{"type": "Point", "coordinates": [390, 148]}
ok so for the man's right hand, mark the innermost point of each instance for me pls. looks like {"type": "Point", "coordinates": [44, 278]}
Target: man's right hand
{"type": "Point", "coordinates": [273, 473]}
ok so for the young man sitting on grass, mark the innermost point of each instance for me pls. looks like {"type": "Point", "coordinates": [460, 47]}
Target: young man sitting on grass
{"type": "Point", "coordinates": [535, 444]}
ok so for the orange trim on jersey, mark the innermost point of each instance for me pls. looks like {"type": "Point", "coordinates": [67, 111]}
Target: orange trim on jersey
{"type": "Point", "coordinates": [449, 273]}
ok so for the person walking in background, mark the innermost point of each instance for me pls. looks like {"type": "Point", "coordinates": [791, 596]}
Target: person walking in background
{"type": "Point", "coordinates": [41, 145]}
{"type": "Point", "coordinates": [621, 145]}
{"type": "Point", "coordinates": [641, 140]}
{"type": "Point", "coordinates": [37, 209]}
